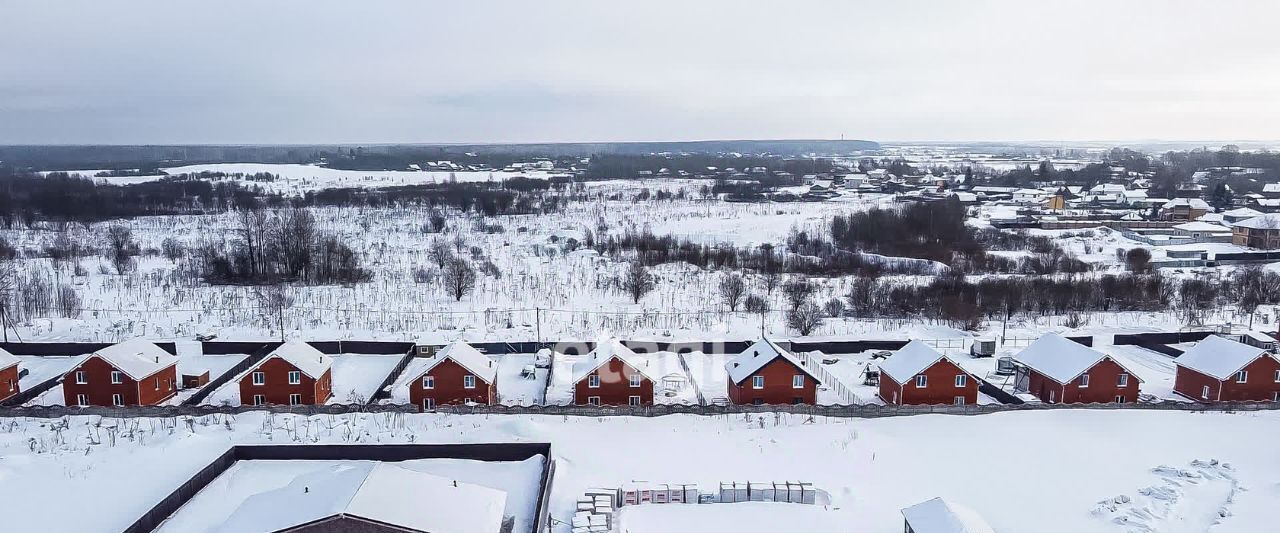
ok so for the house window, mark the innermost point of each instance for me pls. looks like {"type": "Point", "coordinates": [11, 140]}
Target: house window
{"type": "Point", "coordinates": [259, 378]}
{"type": "Point", "coordinates": [757, 382]}
{"type": "Point", "coordinates": [82, 400]}
{"type": "Point", "coordinates": [593, 400]}
{"type": "Point", "coordinates": [797, 381]}
{"type": "Point", "coordinates": [797, 400]}
{"type": "Point", "coordinates": [295, 399]}
{"type": "Point", "coordinates": [81, 377]}
{"type": "Point", "coordinates": [117, 399]}
{"type": "Point", "coordinates": [962, 380]}
{"type": "Point", "coordinates": [1204, 392]}
{"type": "Point", "coordinates": [157, 383]}
{"type": "Point", "coordinates": [468, 382]}
{"type": "Point", "coordinates": [1123, 380]}
{"type": "Point", "coordinates": [1242, 376]}
{"type": "Point", "coordinates": [295, 377]}
{"type": "Point", "coordinates": [1119, 398]}
{"type": "Point", "coordinates": [428, 403]}
{"type": "Point", "coordinates": [959, 400]}
{"type": "Point", "coordinates": [1278, 376]}
{"type": "Point", "coordinates": [593, 381]}
{"type": "Point", "coordinates": [922, 381]}
{"type": "Point", "coordinates": [757, 401]}
{"type": "Point", "coordinates": [635, 381]}
{"type": "Point", "coordinates": [259, 399]}
{"type": "Point", "coordinates": [1084, 381]}
{"type": "Point", "coordinates": [1275, 396]}
{"type": "Point", "coordinates": [117, 377]}
{"type": "Point", "coordinates": [633, 401]}
{"type": "Point", "coordinates": [428, 382]}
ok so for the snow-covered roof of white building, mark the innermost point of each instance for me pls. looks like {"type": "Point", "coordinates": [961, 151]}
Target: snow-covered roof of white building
{"type": "Point", "coordinates": [1061, 359]}
{"type": "Point", "coordinates": [605, 350]}
{"type": "Point", "coordinates": [1218, 357]}
{"type": "Point", "coordinates": [1243, 212]}
{"type": "Point", "coordinates": [756, 356]}
{"type": "Point", "coordinates": [910, 360]}
{"type": "Point", "coordinates": [382, 492]}
{"type": "Point", "coordinates": [7, 359]}
{"type": "Point", "coordinates": [302, 356]}
{"type": "Point", "coordinates": [137, 358]}
{"type": "Point", "coordinates": [941, 516]}
{"type": "Point", "coordinates": [1194, 203]}
{"type": "Point", "coordinates": [1271, 187]}
{"type": "Point", "coordinates": [467, 356]}
{"type": "Point", "coordinates": [1204, 227]}
{"type": "Point", "coordinates": [1270, 221]}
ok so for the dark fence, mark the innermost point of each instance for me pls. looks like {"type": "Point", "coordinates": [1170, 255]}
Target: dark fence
{"type": "Point", "coordinates": [993, 391]}
{"type": "Point", "coordinates": [256, 356]}
{"type": "Point", "coordinates": [1161, 338]}
{"type": "Point", "coordinates": [846, 346]}
{"type": "Point", "coordinates": [841, 411]}
{"type": "Point", "coordinates": [67, 348]}
{"type": "Point", "coordinates": [381, 392]}
{"type": "Point", "coordinates": [1239, 257]}
{"type": "Point", "coordinates": [29, 394]}
{"type": "Point", "coordinates": [490, 452]}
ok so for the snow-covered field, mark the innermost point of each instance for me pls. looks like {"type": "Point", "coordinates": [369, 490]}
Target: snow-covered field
{"type": "Point", "coordinates": [1049, 472]}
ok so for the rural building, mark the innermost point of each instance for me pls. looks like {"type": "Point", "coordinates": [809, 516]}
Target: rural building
{"type": "Point", "coordinates": [1202, 231]}
{"type": "Point", "coordinates": [767, 374]}
{"type": "Point", "coordinates": [611, 374]}
{"type": "Point", "coordinates": [130, 373]}
{"type": "Point", "coordinates": [1261, 232]}
{"type": "Point", "coordinates": [1059, 370]}
{"type": "Point", "coordinates": [1221, 370]}
{"type": "Point", "coordinates": [941, 516]}
{"type": "Point", "coordinates": [293, 374]}
{"type": "Point", "coordinates": [1183, 209]}
{"type": "Point", "coordinates": [458, 374]}
{"type": "Point", "coordinates": [917, 374]}
{"type": "Point", "coordinates": [8, 374]}
{"type": "Point", "coordinates": [1240, 213]}
{"type": "Point", "coordinates": [383, 498]}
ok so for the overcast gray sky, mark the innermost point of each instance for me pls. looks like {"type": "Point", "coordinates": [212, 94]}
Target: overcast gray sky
{"type": "Point", "coordinates": [165, 71]}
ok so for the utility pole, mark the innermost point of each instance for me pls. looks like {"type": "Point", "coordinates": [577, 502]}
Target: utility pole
{"type": "Point", "coordinates": [537, 319]}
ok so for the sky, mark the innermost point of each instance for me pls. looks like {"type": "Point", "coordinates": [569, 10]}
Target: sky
{"type": "Point", "coordinates": [477, 71]}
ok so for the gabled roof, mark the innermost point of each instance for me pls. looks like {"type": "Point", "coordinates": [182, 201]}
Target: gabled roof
{"type": "Point", "coordinates": [910, 360]}
{"type": "Point", "coordinates": [941, 516]}
{"type": "Point", "coordinates": [1243, 212]}
{"type": "Point", "coordinates": [7, 359]}
{"type": "Point", "coordinates": [137, 358]}
{"type": "Point", "coordinates": [1202, 226]}
{"type": "Point", "coordinates": [1194, 203]}
{"type": "Point", "coordinates": [1271, 221]}
{"type": "Point", "coordinates": [381, 492]}
{"type": "Point", "coordinates": [1062, 359]}
{"type": "Point", "coordinates": [470, 358]}
{"type": "Point", "coordinates": [607, 349]}
{"type": "Point", "coordinates": [302, 356]}
{"type": "Point", "coordinates": [756, 356]}
{"type": "Point", "coordinates": [1218, 357]}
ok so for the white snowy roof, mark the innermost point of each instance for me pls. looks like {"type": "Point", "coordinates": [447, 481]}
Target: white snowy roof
{"type": "Point", "coordinates": [1061, 359]}
{"type": "Point", "coordinates": [941, 516]}
{"type": "Point", "coordinates": [1242, 212]}
{"type": "Point", "coordinates": [756, 356]}
{"type": "Point", "coordinates": [1271, 221]}
{"type": "Point", "coordinates": [1218, 357]}
{"type": "Point", "coordinates": [1201, 226]}
{"type": "Point", "coordinates": [910, 360]}
{"type": "Point", "coordinates": [384, 493]}
{"type": "Point", "coordinates": [1210, 217]}
{"type": "Point", "coordinates": [1271, 187]}
{"type": "Point", "coordinates": [7, 359]}
{"type": "Point", "coordinates": [1194, 203]}
{"type": "Point", "coordinates": [607, 349]}
{"type": "Point", "coordinates": [137, 358]}
{"type": "Point", "coordinates": [470, 359]}
{"type": "Point", "coordinates": [302, 356]}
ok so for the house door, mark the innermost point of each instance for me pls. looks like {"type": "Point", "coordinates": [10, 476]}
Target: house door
{"type": "Point", "coordinates": [959, 400]}
{"type": "Point", "coordinates": [1051, 396]}
{"type": "Point", "coordinates": [428, 404]}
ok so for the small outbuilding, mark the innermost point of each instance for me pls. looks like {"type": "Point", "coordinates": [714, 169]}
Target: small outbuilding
{"type": "Point", "coordinates": [295, 373]}
{"type": "Point", "coordinates": [766, 373]}
{"type": "Point", "coordinates": [1217, 369]}
{"type": "Point", "coordinates": [458, 374]}
{"type": "Point", "coordinates": [1059, 370]}
{"type": "Point", "coordinates": [917, 374]}
{"type": "Point", "coordinates": [942, 516]}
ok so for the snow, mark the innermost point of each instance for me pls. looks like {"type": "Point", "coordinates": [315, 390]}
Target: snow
{"type": "Point", "coordinates": [356, 377]}
{"type": "Point", "coordinates": [469, 358]}
{"type": "Point", "coordinates": [137, 358]}
{"type": "Point", "coordinates": [216, 365]}
{"type": "Point", "coordinates": [743, 517]}
{"type": "Point", "coordinates": [1059, 358]}
{"type": "Point", "coordinates": [873, 467]}
{"type": "Point", "coordinates": [254, 486]}
{"type": "Point", "coordinates": [910, 360]}
{"type": "Point", "coordinates": [513, 388]}
{"type": "Point", "coordinates": [7, 359]}
{"type": "Point", "coordinates": [296, 179]}
{"type": "Point", "coordinates": [301, 356]}
{"type": "Point", "coordinates": [1155, 370]}
{"type": "Point", "coordinates": [757, 356]}
{"type": "Point", "coordinates": [1269, 221]}
{"type": "Point", "coordinates": [706, 372]}
{"type": "Point", "coordinates": [1219, 358]}
{"type": "Point", "coordinates": [941, 516]}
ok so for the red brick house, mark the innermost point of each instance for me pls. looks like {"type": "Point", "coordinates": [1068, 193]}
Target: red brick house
{"type": "Point", "coordinates": [767, 374]}
{"type": "Point", "coordinates": [293, 374]}
{"type": "Point", "coordinates": [130, 373]}
{"type": "Point", "coordinates": [611, 374]}
{"type": "Point", "coordinates": [1220, 370]}
{"type": "Point", "coordinates": [917, 374]}
{"type": "Point", "coordinates": [1059, 370]}
{"type": "Point", "coordinates": [457, 374]}
{"type": "Point", "coordinates": [8, 375]}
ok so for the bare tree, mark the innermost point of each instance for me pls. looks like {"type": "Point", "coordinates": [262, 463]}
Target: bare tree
{"type": "Point", "coordinates": [172, 249]}
{"type": "Point", "coordinates": [68, 302]}
{"type": "Point", "coordinates": [638, 282]}
{"type": "Point", "coordinates": [732, 289]}
{"type": "Point", "coordinates": [755, 304]}
{"type": "Point", "coordinates": [1138, 260]}
{"type": "Point", "coordinates": [1254, 287]}
{"type": "Point", "coordinates": [833, 308]}
{"type": "Point", "coordinates": [121, 247]}
{"type": "Point", "coordinates": [253, 228]}
{"type": "Point", "coordinates": [798, 290]}
{"type": "Point", "coordinates": [805, 318]}
{"type": "Point", "coordinates": [459, 277]}
{"type": "Point", "coordinates": [275, 300]}
{"type": "Point", "coordinates": [439, 252]}
{"type": "Point", "coordinates": [293, 235]}
{"type": "Point", "coordinates": [8, 285]}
